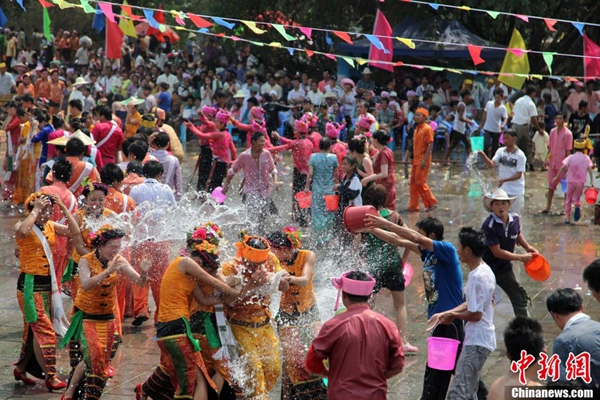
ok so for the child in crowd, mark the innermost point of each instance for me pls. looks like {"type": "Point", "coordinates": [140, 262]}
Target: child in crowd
{"type": "Point", "coordinates": [539, 150]}
{"type": "Point", "coordinates": [349, 188]}
{"type": "Point", "coordinates": [575, 166]}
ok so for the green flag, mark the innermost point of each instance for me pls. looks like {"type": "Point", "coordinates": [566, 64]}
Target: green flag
{"type": "Point", "coordinates": [47, 33]}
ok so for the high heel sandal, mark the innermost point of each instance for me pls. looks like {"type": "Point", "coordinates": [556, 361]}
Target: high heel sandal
{"type": "Point", "coordinates": [59, 386]}
{"type": "Point", "coordinates": [138, 391]}
{"type": "Point", "coordinates": [23, 377]}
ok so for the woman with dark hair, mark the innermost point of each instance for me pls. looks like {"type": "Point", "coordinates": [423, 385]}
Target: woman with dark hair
{"type": "Point", "coordinates": [35, 238]}
{"type": "Point", "coordinates": [384, 262]}
{"type": "Point", "coordinates": [45, 129]}
{"type": "Point", "coordinates": [93, 324]}
{"type": "Point", "coordinates": [298, 321]}
{"type": "Point", "coordinates": [358, 148]}
{"type": "Point", "coordinates": [93, 208]}
{"type": "Point", "coordinates": [383, 167]}
{"type": "Point", "coordinates": [322, 176]}
{"type": "Point", "coordinates": [182, 370]}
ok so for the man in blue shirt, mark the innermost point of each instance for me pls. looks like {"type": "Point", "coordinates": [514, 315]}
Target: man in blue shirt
{"type": "Point", "coordinates": [503, 231]}
{"type": "Point", "coordinates": [443, 283]}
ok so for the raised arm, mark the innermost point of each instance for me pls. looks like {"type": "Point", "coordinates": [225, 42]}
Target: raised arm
{"type": "Point", "coordinates": [423, 241]}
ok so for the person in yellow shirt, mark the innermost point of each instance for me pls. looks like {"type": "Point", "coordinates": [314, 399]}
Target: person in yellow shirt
{"type": "Point", "coordinates": [298, 321]}
{"type": "Point", "coordinates": [134, 118]}
{"type": "Point", "coordinates": [249, 315]}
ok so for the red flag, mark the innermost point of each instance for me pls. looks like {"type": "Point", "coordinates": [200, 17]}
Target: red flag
{"type": "Point", "coordinates": [344, 36]}
{"type": "Point", "coordinates": [475, 52]}
{"type": "Point", "coordinates": [127, 10]}
{"type": "Point", "coordinates": [382, 28]}
{"type": "Point", "coordinates": [199, 21]}
{"type": "Point", "coordinates": [114, 40]}
{"type": "Point", "coordinates": [591, 66]}
{"type": "Point", "coordinates": [159, 16]}
{"type": "Point", "coordinates": [46, 4]}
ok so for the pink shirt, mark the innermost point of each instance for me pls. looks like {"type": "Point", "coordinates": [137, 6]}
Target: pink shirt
{"type": "Point", "coordinates": [361, 346]}
{"type": "Point", "coordinates": [301, 152]}
{"type": "Point", "coordinates": [560, 145]}
{"type": "Point", "coordinates": [256, 174]}
{"type": "Point", "coordinates": [577, 164]}
{"type": "Point", "coordinates": [340, 152]}
{"type": "Point", "coordinates": [219, 144]}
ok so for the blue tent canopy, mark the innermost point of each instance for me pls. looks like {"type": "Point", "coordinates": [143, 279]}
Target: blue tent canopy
{"type": "Point", "coordinates": [450, 32]}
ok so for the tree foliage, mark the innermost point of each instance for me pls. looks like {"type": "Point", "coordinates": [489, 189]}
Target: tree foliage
{"type": "Point", "coordinates": [359, 16]}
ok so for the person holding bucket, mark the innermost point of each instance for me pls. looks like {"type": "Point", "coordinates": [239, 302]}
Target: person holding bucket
{"type": "Point", "coordinates": [443, 284]}
{"type": "Point", "coordinates": [477, 311]}
{"type": "Point", "coordinates": [503, 232]}
{"type": "Point", "coordinates": [345, 339]}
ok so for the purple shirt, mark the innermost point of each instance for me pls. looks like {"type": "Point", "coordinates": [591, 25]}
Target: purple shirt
{"type": "Point", "coordinates": [361, 346]}
{"type": "Point", "coordinates": [504, 235]}
{"type": "Point", "coordinates": [256, 172]}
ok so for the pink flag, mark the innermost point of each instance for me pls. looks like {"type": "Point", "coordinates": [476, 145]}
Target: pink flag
{"type": "Point", "coordinates": [382, 28]}
{"type": "Point", "coordinates": [591, 66]}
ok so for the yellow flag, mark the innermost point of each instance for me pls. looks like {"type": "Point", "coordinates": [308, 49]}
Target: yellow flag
{"type": "Point", "coordinates": [253, 27]}
{"type": "Point", "coordinates": [63, 4]}
{"type": "Point", "coordinates": [514, 64]}
{"type": "Point", "coordinates": [126, 25]}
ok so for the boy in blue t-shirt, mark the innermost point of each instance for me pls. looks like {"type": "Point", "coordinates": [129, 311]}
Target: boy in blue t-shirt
{"type": "Point", "coordinates": [164, 97]}
{"type": "Point", "coordinates": [442, 275]}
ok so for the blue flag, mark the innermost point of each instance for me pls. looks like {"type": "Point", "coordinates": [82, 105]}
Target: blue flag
{"type": "Point", "coordinates": [21, 4]}
{"type": "Point", "coordinates": [3, 19]}
{"type": "Point", "coordinates": [98, 23]}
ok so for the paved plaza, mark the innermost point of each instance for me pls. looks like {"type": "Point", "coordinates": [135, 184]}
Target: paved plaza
{"type": "Point", "coordinates": [568, 248]}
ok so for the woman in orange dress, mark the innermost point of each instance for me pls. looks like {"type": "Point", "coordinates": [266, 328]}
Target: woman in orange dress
{"type": "Point", "coordinates": [180, 358]}
{"type": "Point", "coordinates": [298, 321]}
{"type": "Point", "coordinates": [93, 324]}
{"type": "Point", "coordinates": [35, 237]}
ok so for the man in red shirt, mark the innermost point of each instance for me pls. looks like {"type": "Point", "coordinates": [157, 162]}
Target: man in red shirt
{"type": "Point", "coordinates": [363, 347]}
{"type": "Point", "coordinates": [108, 136]}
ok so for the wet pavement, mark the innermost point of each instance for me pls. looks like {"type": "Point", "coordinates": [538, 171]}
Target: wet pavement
{"type": "Point", "coordinates": [568, 249]}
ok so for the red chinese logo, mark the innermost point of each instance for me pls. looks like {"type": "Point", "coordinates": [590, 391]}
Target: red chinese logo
{"type": "Point", "coordinates": [578, 366]}
{"type": "Point", "coordinates": [521, 366]}
{"type": "Point", "coordinates": [550, 367]}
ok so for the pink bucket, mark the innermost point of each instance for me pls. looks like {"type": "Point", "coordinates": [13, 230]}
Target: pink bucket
{"type": "Point", "coordinates": [441, 352]}
{"type": "Point", "coordinates": [218, 195]}
{"type": "Point", "coordinates": [408, 273]}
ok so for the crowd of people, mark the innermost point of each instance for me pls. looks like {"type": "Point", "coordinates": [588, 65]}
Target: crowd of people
{"type": "Point", "coordinates": [89, 138]}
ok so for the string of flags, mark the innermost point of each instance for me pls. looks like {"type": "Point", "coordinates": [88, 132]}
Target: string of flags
{"type": "Point", "coordinates": [202, 23]}
{"type": "Point", "coordinates": [550, 22]}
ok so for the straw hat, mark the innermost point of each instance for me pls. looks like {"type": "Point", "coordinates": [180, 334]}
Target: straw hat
{"type": "Point", "coordinates": [240, 95]}
{"type": "Point", "coordinates": [367, 71]}
{"type": "Point", "coordinates": [496, 195]}
{"type": "Point", "coordinates": [80, 81]}
{"type": "Point", "coordinates": [61, 141]}
{"type": "Point", "coordinates": [330, 95]}
{"type": "Point", "coordinates": [83, 137]}
{"type": "Point", "coordinates": [132, 100]}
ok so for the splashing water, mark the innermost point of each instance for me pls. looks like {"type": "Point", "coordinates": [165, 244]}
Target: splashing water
{"type": "Point", "coordinates": [472, 165]}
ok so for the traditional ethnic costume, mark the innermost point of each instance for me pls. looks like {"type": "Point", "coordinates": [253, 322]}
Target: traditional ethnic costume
{"type": "Point", "coordinates": [250, 322]}
{"type": "Point", "coordinates": [34, 295]}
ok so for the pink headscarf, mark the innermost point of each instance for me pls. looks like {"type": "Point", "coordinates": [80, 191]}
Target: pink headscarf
{"type": "Point", "coordinates": [210, 111]}
{"type": "Point", "coordinates": [257, 112]}
{"type": "Point", "coordinates": [310, 119]}
{"type": "Point", "coordinates": [223, 117]}
{"type": "Point", "coordinates": [332, 130]}
{"type": "Point", "coordinates": [258, 127]}
{"type": "Point", "coordinates": [364, 122]}
{"type": "Point", "coordinates": [300, 126]}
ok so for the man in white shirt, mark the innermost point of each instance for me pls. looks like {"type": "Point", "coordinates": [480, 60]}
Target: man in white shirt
{"type": "Point", "coordinates": [524, 115]}
{"type": "Point", "coordinates": [151, 195]}
{"type": "Point", "coordinates": [107, 80]}
{"type": "Point", "coordinates": [510, 161]}
{"type": "Point", "coordinates": [172, 175]}
{"type": "Point", "coordinates": [270, 86]}
{"type": "Point", "coordinates": [498, 85]}
{"type": "Point", "coordinates": [7, 82]}
{"type": "Point", "coordinates": [169, 78]}
{"type": "Point", "coordinates": [314, 95]}
{"type": "Point", "coordinates": [296, 95]}
{"type": "Point", "coordinates": [477, 311]}
{"type": "Point", "coordinates": [424, 87]}
{"type": "Point", "coordinates": [493, 122]}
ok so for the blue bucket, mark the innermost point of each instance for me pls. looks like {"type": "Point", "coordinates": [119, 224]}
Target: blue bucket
{"type": "Point", "coordinates": [563, 185]}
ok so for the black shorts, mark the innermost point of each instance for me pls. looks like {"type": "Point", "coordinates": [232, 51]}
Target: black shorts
{"type": "Point", "coordinates": [392, 280]}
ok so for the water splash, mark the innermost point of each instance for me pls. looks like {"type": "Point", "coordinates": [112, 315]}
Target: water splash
{"type": "Point", "coordinates": [473, 167]}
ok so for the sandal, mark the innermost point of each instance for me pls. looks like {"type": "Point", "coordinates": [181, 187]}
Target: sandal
{"type": "Point", "coordinates": [543, 212]}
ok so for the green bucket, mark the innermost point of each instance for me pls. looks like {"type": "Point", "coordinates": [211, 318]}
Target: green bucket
{"type": "Point", "coordinates": [477, 143]}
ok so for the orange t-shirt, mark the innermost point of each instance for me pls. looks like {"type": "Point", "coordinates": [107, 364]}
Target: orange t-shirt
{"type": "Point", "coordinates": [175, 293]}
{"type": "Point", "coordinates": [31, 253]}
{"type": "Point", "coordinates": [422, 138]}
{"type": "Point", "coordinates": [301, 298]}
{"type": "Point", "coordinates": [101, 298]}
